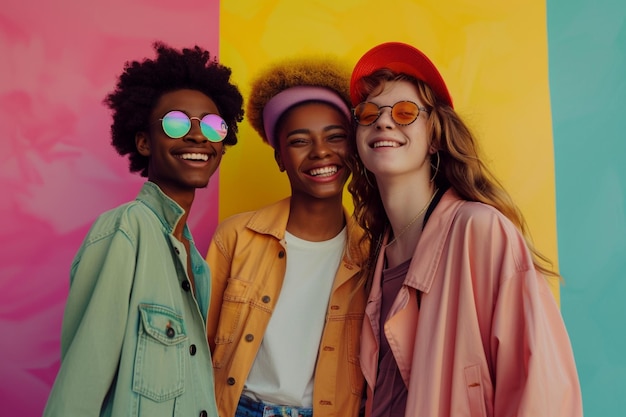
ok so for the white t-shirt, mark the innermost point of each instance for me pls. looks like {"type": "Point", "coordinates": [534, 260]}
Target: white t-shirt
{"type": "Point", "coordinates": [283, 370]}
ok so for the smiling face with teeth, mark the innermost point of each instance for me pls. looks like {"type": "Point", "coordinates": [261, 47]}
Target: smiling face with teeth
{"type": "Point", "coordinates": [387, 148]}
{"type": "Point", "coordinates": [179, 166]}
{"type": "Point", "coordinates": [312, 146]}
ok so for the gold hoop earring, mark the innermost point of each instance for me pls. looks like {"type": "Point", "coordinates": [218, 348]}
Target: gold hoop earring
{"type": "Point", "coordinates": [436, 167]}
{"type": "Point", "coordinates": [364, 173]}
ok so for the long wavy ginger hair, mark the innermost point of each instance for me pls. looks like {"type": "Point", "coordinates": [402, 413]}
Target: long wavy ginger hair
{"type": "Point", "coordinates": [459, 168]}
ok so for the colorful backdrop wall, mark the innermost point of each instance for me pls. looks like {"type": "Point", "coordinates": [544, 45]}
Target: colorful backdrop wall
{"type": "Point", "coordinates": [541, 83]}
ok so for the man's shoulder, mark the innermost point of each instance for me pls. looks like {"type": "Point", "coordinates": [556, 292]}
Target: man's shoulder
{"type": "Point", "coordinates": [260, 219]}
{"type": "Point", "coordinates": [126, 217]}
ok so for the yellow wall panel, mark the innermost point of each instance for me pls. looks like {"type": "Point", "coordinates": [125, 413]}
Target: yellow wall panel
{"type": "Point", "coordinates": [492, 54]}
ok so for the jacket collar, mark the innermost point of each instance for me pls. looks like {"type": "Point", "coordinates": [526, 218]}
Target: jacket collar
{"type": "Point", "coordinates": [166, 209]}
{"type": "Point", "coordinates": [429, 249]}
{"type": "Point", "coordinates": [272, 220]}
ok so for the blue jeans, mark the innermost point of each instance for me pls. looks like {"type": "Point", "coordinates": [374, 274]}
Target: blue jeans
{"type": "Point", "coordinates": [250, 408]}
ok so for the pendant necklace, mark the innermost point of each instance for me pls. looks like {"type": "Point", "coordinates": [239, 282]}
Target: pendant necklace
{"type": "Point", "coordinates": [414, 219]}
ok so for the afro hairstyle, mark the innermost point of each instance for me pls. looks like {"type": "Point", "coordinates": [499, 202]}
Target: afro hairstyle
{"type": "Point", "coordinates": [318, 71]}
{"type": "Point", "coordinates": [142, 83]}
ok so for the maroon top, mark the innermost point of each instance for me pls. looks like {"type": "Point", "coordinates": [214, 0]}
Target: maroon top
{"type": "Point", "coordinates": [390, 392]}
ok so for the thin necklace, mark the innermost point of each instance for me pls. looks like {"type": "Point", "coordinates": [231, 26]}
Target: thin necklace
{"type": "Point", "coordinates": [414, 219]}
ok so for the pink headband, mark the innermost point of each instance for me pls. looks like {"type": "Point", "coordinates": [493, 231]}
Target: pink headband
{"type": "Point", "coordinates": [288, 98]}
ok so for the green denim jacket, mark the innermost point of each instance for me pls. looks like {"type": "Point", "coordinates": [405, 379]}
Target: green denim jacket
{"type": "Point", "coordinates": [134, 341]}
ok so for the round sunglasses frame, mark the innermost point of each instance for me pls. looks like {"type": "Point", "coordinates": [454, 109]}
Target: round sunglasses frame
{"type": "Point", "coordinates": [392, 107]}
{"type": "Point", "coordinates": [208, 130]}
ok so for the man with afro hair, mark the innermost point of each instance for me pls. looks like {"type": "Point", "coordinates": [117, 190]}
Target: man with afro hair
{"type": "Point", "coordinates": [133, 341]}
{"type": "Point", "coordinates": [287, 298]}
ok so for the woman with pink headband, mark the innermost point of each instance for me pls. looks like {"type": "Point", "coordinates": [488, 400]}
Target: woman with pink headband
{"type": "Point", "coordinates": [460, 320]}
{"type": "Point", "coordinates": [287, 294]}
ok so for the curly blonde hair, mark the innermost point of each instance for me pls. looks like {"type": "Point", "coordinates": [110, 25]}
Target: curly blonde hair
{"type": "Point", "coordinates": [317, 71]}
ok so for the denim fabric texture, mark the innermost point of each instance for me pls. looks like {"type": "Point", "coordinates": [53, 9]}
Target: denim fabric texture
{"type": "Point", "coordinates": [249, 408]}
{"type": "Point", "coordinates": [133, 341]}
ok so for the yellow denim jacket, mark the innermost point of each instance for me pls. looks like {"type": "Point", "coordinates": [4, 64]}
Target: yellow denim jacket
{"type": "Point", "coordinates": [247, 258]}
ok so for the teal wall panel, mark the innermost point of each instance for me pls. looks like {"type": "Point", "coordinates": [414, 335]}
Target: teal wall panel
{"type": "Point", "coordinates": [587, 71]}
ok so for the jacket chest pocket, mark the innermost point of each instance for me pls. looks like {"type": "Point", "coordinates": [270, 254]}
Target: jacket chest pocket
{"type": "Point", "coordinates": [159, 370]}
{"type": "Point", "coordinates": [475, 392]}
{"type": "Point", "coordinates": [234, 312]}
{"type": "Point", "coordinates": [353, 328]}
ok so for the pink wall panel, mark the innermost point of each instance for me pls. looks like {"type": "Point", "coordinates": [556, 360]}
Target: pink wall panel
{"type": "Point", "coordinates": [58, 59]}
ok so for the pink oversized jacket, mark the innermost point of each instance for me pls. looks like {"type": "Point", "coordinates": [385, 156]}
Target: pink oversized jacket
{"type": "Point", "coordinates": [488, 338]}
